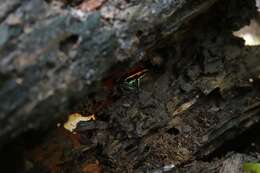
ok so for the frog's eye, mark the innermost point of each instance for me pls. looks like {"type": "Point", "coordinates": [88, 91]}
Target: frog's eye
{"type": "Point", "coordinates": [132, 82]}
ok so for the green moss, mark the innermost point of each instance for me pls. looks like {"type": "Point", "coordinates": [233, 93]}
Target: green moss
{"type": "Point", "coordinates": [251, 167]}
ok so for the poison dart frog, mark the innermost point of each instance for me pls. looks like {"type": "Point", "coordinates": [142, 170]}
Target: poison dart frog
{"type": "Point", "coordinates": [132, 82]}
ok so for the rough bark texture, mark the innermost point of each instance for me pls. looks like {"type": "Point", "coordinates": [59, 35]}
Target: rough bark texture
{"type": "Point", "coordinates": [52, 57]}
{"type": "Point", "coordinates": [205, 92]}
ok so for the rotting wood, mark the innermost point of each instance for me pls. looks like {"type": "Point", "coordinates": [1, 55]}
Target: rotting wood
{"type": "Point", "coordinates": [52, 57]}
{"type": "Point", "coordinates": [140, 131]}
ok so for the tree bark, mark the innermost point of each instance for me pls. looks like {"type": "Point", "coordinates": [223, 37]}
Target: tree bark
{"type": "Point", "coordinates": [53, 57]}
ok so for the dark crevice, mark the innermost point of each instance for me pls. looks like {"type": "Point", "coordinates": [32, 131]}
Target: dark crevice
{"type": "Point", "coordinates": [71, 3]}
{"type": "Point", "coordinates": [173, 131]}
{"type": "Point", "coordinates": [248, 142]}
{"type": "Point", "coordinates": [3, 79]}
{"type": "Point", "coordinates": [67, 44]}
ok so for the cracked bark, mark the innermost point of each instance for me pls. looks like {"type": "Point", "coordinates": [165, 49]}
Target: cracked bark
{"type": "Point", "coordinates": [51, 58]}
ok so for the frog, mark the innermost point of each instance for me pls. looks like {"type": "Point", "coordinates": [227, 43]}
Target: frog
{"type": "Point", "coordinates": [132, 82]}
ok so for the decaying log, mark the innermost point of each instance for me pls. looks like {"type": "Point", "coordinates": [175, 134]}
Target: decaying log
{"type": "Point", "coordinates": [205, 92]}
{"type": "Point", "coordinates": [179, 121]}
{"type": "Point", "coordinates": [52, 57]}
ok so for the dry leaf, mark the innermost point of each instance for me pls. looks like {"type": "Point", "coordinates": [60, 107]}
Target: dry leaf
{"type": "Point", "coordinates": [185, 106]}
{"type": "Point", "coordinates": [90, 5]}
{"type": "Point", "coordinates": [74, 119]}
